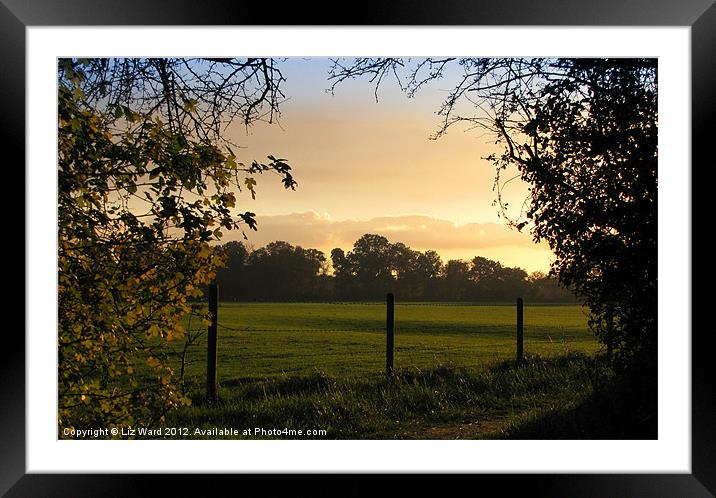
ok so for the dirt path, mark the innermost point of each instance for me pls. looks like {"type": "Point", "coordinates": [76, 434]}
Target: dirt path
{"type": "Point", "coordinates": [466, 430]}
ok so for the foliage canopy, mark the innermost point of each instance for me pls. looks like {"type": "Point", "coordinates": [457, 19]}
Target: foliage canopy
{"type": "Point", "coordinates": [146, 181]}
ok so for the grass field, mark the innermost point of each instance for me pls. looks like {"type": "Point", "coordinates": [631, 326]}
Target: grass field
{"type": "Point", "coordinates": [322, 366]}
{"type": "Point", "coordinates": [268, 340]}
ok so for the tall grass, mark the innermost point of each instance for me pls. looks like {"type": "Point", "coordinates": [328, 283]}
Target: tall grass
{"type": "Point", "coordinates": [491, 402]}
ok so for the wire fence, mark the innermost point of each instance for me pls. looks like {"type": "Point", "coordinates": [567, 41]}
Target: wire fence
{"type": "Point", "coordinates": [424, 339]}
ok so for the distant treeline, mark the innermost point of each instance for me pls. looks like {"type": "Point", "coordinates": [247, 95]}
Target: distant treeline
{"type": "Point", "coordinates": [283, 272]}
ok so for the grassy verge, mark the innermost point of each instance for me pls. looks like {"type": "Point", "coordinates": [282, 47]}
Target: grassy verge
{"type": "Point", "coordinates": [444, 402]}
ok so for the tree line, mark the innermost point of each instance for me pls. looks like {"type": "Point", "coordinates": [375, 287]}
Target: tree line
{"type": "Point", "coordinates": [284, 272]}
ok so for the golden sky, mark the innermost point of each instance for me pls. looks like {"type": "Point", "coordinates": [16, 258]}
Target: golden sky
{"type": "Point", "coordinates": [367, 167]}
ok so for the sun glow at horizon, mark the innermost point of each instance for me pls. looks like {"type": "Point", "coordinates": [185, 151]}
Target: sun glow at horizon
{"type": "Point", "coordinates": [370, 167]}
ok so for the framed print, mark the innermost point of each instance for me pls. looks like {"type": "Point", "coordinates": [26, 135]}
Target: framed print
{"type": "Point", "coordinates": [344, 323]}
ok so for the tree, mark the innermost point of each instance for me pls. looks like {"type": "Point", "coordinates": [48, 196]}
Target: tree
{"type": "Point", "coordinates": [511, 283]}
{"type": "Point", "coordinates": [456, 279]}
{"type": "Point", "coordinates": [343, 287]}
{"type": "Point", "coordinates": [281, 272]}
{"type": "Point", "coordinates": [428, 270]}
{"type": "Point", "coordinates": [484, 275]}
{"type": "Point", "coordinates": [232, 277]}
{"type": "Point", "coordinates": [582, 133]}
{"type": "Point", "coordinates": [146, 181]}
{"type": "Point", "coordinates": [544, 288]}
{"type": "Point", "coordinates": [403, 271]}
{"type": "Point", "coordinates": [370, 265]}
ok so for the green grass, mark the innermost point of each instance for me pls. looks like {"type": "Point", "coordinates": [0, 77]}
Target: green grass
{"type": "Point", "coordinates": [348, 340]}
{"type": "Point", "coordinates": [322, 366]}
{"type": "Point", "coordinates": [439, 403]}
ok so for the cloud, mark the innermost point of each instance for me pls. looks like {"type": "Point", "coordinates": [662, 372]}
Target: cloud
{"type": "Point", "coordinates": [311, 229]}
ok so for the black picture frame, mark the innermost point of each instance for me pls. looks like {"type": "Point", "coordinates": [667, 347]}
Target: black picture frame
{"type": "Point", "coordinates": [700, 15]}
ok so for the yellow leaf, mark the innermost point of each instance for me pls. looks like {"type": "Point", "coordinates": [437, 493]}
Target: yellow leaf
{"type": "Point", "coordinates": [153, 362]}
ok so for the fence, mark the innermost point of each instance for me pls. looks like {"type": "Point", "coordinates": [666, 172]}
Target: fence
{"type": "Point", "coordinates": [211, 370]}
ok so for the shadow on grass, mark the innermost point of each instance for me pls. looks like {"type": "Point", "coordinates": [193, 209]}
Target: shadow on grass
{"type": "Point", "coordinates": [622, 408]}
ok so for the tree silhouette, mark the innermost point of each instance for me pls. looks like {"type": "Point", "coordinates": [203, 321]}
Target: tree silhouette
{"type": "Point", "coordinates": [283, 272]}
{"type": "Point", "coordinates": [232, 277]}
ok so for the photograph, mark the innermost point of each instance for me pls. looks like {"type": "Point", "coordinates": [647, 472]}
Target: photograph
{"type": "Point", "coordinates": [357, 248]}
{"type": "Point", "coordinates": [442, 241]}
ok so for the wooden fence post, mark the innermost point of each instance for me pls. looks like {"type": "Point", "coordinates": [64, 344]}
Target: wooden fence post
{"type": "Point", "coordinates": [389, 327]}
{"type": "Point", "coordinates": [520, 330]}
{"type": "Point", "coordinates": [211, 349]}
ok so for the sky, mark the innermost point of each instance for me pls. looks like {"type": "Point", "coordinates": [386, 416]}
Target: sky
{"type": "Point", "coordinates": [370, 167]}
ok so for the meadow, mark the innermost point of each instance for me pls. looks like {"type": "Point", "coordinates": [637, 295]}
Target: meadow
{"type": "Point", "coordinates": [267, 340]}
{"type": "Point", "coordinates": [322, 366]}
